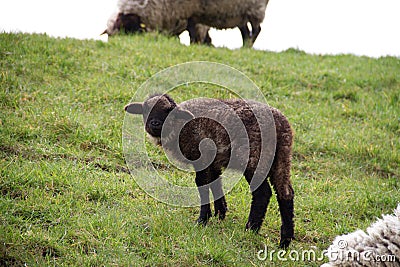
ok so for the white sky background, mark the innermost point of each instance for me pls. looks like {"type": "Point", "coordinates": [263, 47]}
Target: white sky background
{"type": "Point", "coordinates": [361, 27]}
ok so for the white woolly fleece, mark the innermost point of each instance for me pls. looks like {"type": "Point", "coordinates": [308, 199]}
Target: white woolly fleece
{"type": "Point", "coordinates": [172, 16]}
{"type": "Point", "coordinates": [379, 246]}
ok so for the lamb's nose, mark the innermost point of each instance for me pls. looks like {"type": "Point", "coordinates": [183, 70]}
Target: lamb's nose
{"type": "Point", "coordinates": [155, 123]}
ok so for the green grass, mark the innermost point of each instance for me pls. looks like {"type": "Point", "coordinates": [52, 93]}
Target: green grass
{"type": "Point", "coordinates": [67, 199]}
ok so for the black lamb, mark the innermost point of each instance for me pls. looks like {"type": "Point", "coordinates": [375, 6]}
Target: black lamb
{"type": "Point", "coordinates": [203, 119]}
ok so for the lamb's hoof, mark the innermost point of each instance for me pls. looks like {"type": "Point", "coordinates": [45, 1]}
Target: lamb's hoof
{"type": "Point", "coordinates": [203, 218]}
{"type": "Point", "coordinates": [220, 214]}
{"type": "Point", "coordinates": [220, 208]}
{"type": "Point", "coordinates": [254, 227]}
{"type": "Point", "coordinates": [202, 221]}
{"type": "Point", "coordinates": [284, 244]}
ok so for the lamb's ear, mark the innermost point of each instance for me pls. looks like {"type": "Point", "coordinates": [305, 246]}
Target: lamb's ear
{"type": "Point", "coordinates": [183, 114]}
{"type": "Point", "coordinates": [134, 108]}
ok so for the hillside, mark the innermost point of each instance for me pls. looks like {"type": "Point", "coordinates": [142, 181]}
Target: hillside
{"type": "Point", "coordinates": [67, 198]}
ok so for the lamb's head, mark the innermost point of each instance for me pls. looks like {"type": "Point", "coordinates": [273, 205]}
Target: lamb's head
{"type": "Point", "coordinates": [155, 111]}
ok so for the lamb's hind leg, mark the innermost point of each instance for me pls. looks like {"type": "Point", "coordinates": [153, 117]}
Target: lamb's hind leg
{"type": "Point", "coordinates": [280, 180]}
{"type": "Point", "coordinates": [220, 205]}
{"type": "Point", "coordinates": [259, 204]}
{"type": "Point", "coordinates": [287, 228]}
{"type": "Point", "coordinates": [202, 182]}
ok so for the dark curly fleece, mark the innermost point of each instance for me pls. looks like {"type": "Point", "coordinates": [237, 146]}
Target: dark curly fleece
{"type": "Point", "coordinates": [212, 119]}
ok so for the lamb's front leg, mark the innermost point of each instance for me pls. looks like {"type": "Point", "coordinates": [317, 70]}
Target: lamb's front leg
{"type": "Point", "coordinates": [204, 191]}
{"type": "Point", "coordinates": [259, 204]}
{"type": "Point", "coordinates": [220, 205]}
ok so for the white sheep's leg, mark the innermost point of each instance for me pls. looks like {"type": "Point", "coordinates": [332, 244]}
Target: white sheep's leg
{"type": "Point", "coordinates": [191, 28]}
{"type": "Point", "coordinates": [220, 205]}
{"type": "Point", "coordinates": [259, 204]}
{"type": "Point", "coordinates": [255, 31]}
{"type": "Point", "coordinates": [204, 191]}
{"type": "Point", "coordinates": [244, 30]}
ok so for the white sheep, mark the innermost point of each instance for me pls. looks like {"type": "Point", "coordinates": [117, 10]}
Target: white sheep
{"type": "Point", "coordinates": [378, 246]}
{"type": "Point", "coordinates": [174, 17]}
{"type": "Point", "coordinates": [131, 23]}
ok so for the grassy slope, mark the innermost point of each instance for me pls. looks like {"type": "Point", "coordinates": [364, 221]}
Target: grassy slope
{"type": "Point", "coordinates": [65, 196]}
